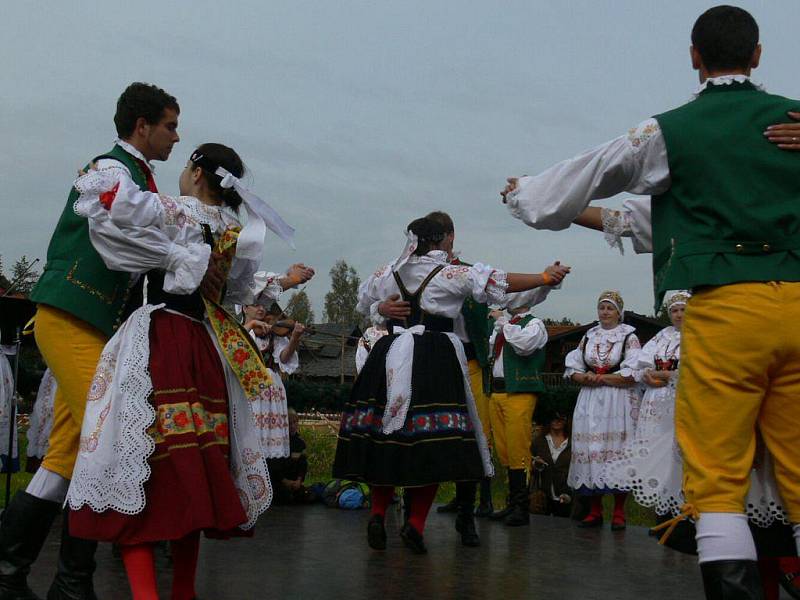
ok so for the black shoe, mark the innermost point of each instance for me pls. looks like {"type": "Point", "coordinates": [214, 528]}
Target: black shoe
{"type": "Point", "coordinates": [485, 509]}
{"type": "Point", "coordinates": [465, 525]}
{"type": "Point", "coordinates": [787, 583]}
{"type": "Point", "coordinates": [25, 525]}
{"type": "Point", "coordinates": [520, 515]}
{"type": "Point", "coordinates": [413, 539]}
{"type": "Point", "coordinates": [76, 566]}
{"type": "Point", "coordinates": [591, 522]}
{"type": "Point", "coordinates": [618, 525]}
{"type": "Point", "coordinates": [732, 580]}
{"type": "Point", "coordinates": [376, 533]}
{"type": "Point", "coordinates": [450, 507]}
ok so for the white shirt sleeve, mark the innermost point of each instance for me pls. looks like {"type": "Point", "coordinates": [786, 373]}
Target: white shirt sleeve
{"type": "Point", "coordinates": [140, 240]}
{"type": "Point", "coordinates": [636, 163]}
{"type": "Point", "coordinates": [361, 355]}
{"type": "Point", "coordinates": [291, 365]}
{"type": "Point", "coordinates": [526, 340]}
{"type": "Point", "coordinates": [574, 362]}
{"type": "Point", "coordinates": [369, 297]}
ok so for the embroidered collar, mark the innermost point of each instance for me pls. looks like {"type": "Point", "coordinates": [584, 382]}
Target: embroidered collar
{"type": "Point", "coordinates": [612, 335]}
{"type": "Point", "coordinates": [133, 151]}
{"type": "Point", "coordinates": [726, 80]}
{"type": "Point", "coordinates": [438, 257]}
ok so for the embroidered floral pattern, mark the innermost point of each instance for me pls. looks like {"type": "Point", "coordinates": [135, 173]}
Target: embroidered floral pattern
{"type": "Point", "coordinates": [181, 417]}
{"type": "Point", "coordinates": [456, 272]}
{"type": "Point", "coordinates": [639, 135]}
{"type": "Point", "coordinates": [367, 420]}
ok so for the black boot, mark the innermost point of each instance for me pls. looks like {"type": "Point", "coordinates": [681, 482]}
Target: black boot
{"type": "Point", "coordinates": [376, 533]}
{"type": "Point", "coordinates": [75, 567]}
{"type": "Point", "coordinates": [485, 507]}
{"type": "Point", "coordinates": [518, 484]}
{"type": "Point", "coordinates": [25, 525]}
{"type": "Point", "coordinates": [465, 519]}
{"type": "Point", "coordinates": [732, 580]}
{"type": "Point", "coordinates": [500, 515]}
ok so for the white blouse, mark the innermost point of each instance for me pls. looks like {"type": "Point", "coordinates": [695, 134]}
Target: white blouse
{"type": "Point", "coordinates": [145, 230]}
{"type": "Point", "coordinates": [664, 346]}
{"type": "Point", "coordinates": [445, 293]}
{"type": "Point", "coordinates": [366, 343]}
{"type": "Point", "coordinates": [604, 348]}
{"type": "Point", "coordinates": [524, 340]}
{"type": "Point", "coordinates": [278, 346]}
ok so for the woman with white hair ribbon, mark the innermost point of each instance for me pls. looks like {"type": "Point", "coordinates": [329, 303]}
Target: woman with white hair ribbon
{"type": "Point", "coordinates": [605, 415]}
{"type": "Point", "coordinates": [411, 420]}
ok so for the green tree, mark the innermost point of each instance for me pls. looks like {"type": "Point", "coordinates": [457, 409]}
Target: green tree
{"type": "Point", "coordinates": [563, 321]}
{"type": "Point", "coordinates": [340, 302]}
{"type": "Point", "coordinates": [300, 308]}
{"type": "Point", "coordinates": [25, 276]}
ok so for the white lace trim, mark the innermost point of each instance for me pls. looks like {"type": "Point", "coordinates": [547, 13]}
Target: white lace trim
{"type": "Point", "coordinates": [725, 80]}
{"type": "Point", "coordinates": [615, 225]}
{"type": "Point", "coordinates": [111, 467]}
{"type": "Point", "coordinates": [41, 420]}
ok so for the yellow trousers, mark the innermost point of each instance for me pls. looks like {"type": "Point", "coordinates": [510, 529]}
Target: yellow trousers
{"type": "Point", "coordinates": [71, 348]}
{"type": "Point", "coordinates": [512, 426]}
{"type": "Point", "coordinates": [740, 370]}
{"type": "Point", "coordinates": [481, 399]}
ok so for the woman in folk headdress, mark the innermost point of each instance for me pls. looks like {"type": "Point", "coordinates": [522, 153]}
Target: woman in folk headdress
{"type": "Point", "coordinates": [607, 408]}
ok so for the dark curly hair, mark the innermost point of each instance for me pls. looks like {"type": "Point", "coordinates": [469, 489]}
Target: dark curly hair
{"type": "Point", "coordinates": [141, 100]}
{"type": "Point", "coordinates": [725, 37]}
{"type": "Point", "coordinates": [209, 157]}
{"type": "Point", "coordinates": [429, 234]}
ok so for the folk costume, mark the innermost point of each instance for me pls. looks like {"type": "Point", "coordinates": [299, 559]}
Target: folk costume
{"type": "Point", "coordinates": [41, 422]}
{"type": "Point", "coordinates": [412, 420]}
{"type": "Point", "coordinates": [605, 416]}
{"type": "Point", "coordinates": [6, 400]}
{"type": "Point", "coordinates": [271, 409]}
{"type": "Point", "coordinates": [169, 446]}
{"type": "Point", "coordinates": [365, 344]}
{"type": "Point", "coordinates": [517, 357]}
{"type": "Point", "coordinates": [742, 259]}
{"type": "Point", "coordinates": [81, 302]}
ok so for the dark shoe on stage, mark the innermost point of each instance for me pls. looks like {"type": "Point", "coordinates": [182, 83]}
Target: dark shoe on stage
{"type": "Point", "coordinates": [500, 515]}
{"type": "Point", "coordinates": [485, 509]}
{"type": "Point", "coordinates": [413, 539]}
{"type": "Point", "coordinates": [25, 525]}
{"type": "Point", "coordinates": [618, 525]}
{"type": "Point", "coordinates": [520, 515]}
{"type": "Point", "coordinates": [732, 580]}
{"type": "Point", "coordinates": [591, 522]}
{"type": "Point", "coordinates": [450, 507]}
{"type": "Point", "coordinates": [76, 566]}
{"type": "Point", "coordinates": [376, 533]}
{"type": "Point", "coordinates": [465, 525]}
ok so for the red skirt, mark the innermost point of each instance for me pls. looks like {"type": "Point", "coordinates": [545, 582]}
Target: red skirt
{"type": "Point", "coordinates": [190, 486]}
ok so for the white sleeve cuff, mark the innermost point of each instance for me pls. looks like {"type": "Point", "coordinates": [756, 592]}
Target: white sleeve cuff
{"type": "Point", "coordinates": [185, 267]}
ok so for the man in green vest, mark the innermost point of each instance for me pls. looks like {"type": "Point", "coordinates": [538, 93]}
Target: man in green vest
{"type": "Point", "coordinates": [80, 305]}
{"type": "Point", "coordinates": [725, 223]}
{"type": "Point", "coordinates": [517, 357]}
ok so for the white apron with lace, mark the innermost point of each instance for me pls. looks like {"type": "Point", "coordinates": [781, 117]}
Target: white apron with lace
{"type": "Point", "coordinates": [41, 420]}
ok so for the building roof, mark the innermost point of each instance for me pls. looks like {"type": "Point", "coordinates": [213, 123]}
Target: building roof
{"type": "Point", "coordinates": [321, 351]}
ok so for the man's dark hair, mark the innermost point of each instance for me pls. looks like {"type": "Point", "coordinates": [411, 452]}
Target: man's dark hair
{"type": "Point", "coordinates": [141, 100]}
{"type": "Point", "coordinates": [443, 219]}
{"type": "Point", "coordinates": [429, 234]}
{"type": "Point", "coordinates": [726, 37]}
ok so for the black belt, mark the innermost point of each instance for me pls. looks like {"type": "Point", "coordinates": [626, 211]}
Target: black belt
{"type": "Point", "coordinates": [498, 385]}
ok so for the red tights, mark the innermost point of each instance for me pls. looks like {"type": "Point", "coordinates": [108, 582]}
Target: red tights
{"type": "Point", "coordinates": [420, 501]}
{"type": "Point", "coordinates": [141, 570]}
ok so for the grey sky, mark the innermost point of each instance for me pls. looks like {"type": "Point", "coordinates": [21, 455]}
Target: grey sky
{"type": "Point", "coordinates": [356, 117]}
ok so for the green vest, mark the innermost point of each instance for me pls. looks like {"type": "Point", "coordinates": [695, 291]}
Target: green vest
{"type": "Point", "coordinates": [75, 278]}
{"type": "Point", "coordinates": [476, 322]}
{"type": "Point", "coordinates": [523, 373]}
{"type": "Point", "coordinates": [732, 212]}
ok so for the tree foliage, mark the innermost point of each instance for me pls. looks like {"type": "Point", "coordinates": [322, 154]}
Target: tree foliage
{"type": "Point", "coordinates": [300, 308]}
{"type": "Point", "coordinates": [340, 302]}
{"type": "Point", "coordinates": [25, 276]}
{"type": "Point", "coordinates": [4, 282]}
{"type": "Point", "coordinates": [563, 321]}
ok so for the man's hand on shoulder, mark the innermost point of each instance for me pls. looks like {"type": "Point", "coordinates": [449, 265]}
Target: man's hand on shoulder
{"type": "Point", "coordinates": [785, 135]}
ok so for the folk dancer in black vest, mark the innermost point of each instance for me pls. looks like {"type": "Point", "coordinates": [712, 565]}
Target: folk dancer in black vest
{"type": "Point", "coordinates": [80, 304]}
{"type": "Point", "coordinates": [411, 420]}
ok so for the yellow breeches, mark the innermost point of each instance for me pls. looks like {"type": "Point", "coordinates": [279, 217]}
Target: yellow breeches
{"type": "Point", "coordinates": [71, 348]}
{"type": "Point", "coordinates": [512, 426]}
{"type": "Point", "coordinates": [481, 399]}
{"type": "Point", "coordinates": [740, 370]}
